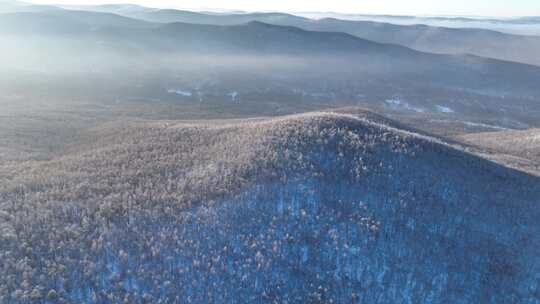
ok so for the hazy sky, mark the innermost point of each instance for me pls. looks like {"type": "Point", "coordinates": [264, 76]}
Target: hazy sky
{"type": "Point", "coordinates": [411, 7]}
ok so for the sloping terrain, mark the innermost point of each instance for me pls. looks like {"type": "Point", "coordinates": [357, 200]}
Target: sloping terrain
{"type": "Point", "coordinates": [518, 149]}
{"type": "Point", "coordinates": [317, 207]}
{"type": "Point", "coordinates": [433, 39]}
{"type": "Point", "coordinates": [517, 25]}
{"type": "Point", "coordinates": [481, 42]}
{"type": "Point", "coordinates": [254, 66]}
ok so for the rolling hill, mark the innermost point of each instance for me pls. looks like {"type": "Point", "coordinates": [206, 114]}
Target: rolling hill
{"type": "Point", "coordinates": [256, 63]}
{"type": "Point", "coordinates": [320, 207]}
{"type": "Point", "coordinates": [516, 25]}
{"type": "Point", "coordinates": [518, 149]}
{"type": "Point", "coordinates": [433, 39]}
{"type": "Point", "coordinates": [481, 42]}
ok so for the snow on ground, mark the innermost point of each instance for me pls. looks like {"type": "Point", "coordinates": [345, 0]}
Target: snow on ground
{"type": "Point", "coordinates": [398, 103]}
{"type": "Point", "coordinates": [179, 92]}
{"type": "Point", "coordinates": [444, 109]}
{"type": "Point", "coordinates": [475, 124]}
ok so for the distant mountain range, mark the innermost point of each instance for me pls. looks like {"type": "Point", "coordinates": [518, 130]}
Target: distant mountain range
{"type": "Point", "coordinates": [481, 42]}
{"type": "Point", "coordinates": [507, 20]}
{"type": "Point", "coordinates": [263, 63]}
{"type": "Point", "coordinates": [518, 25]}
{"type": "Point", "coordinates": [433, 39]}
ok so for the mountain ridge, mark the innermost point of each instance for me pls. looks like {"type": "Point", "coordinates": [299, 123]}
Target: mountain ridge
{"type": "Point", "coordinates": [482, 42]}
{"type": "Point", "coordinates": [324, 202]}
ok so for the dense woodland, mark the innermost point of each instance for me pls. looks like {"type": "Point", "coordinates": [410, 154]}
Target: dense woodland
{"type": "Point", "coordinates": [323, 208]}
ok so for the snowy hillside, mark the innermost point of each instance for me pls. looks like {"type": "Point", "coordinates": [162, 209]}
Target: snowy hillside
{"type": "Point", "coordinates": [313, 208]}
{"type": "Point", "coordinates": [516, 149]}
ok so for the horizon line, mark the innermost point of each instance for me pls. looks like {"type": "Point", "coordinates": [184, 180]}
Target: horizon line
{"type": "Point", "coordinates": [238, 10]}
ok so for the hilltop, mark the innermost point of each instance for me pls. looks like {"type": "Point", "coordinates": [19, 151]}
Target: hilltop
{"type": "Point", "coordinates": [321, 206]}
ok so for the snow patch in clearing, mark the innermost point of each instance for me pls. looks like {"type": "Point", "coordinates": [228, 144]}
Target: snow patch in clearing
{"type": "Point", "coordinates": [180, 92]}
{"type": "Point", "coordinates": [398, 103]}
{"type": "Point", "coordinates": [476, 124]}
{"type": "Point", "coordinates": [395, 102]}
{"type": "Point", "coordinates": [444, 109]}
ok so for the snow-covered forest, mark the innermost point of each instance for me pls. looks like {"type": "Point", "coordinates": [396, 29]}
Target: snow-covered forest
{"type": "Point", "coordinates": [315, 208]}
